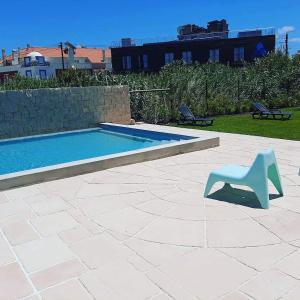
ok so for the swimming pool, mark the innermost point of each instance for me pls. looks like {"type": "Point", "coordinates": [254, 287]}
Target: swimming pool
{"type": "Point", "coordinates": [36, 152]}
{"type": "Point", "coordinates": [40, 158]}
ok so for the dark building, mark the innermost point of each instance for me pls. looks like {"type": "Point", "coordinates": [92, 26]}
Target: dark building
{"type": "Point", "coordinates": [194, 44]}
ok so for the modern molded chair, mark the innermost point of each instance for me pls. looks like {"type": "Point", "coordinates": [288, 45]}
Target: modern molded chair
{"type": "Point", "coordinates": [256, 177]}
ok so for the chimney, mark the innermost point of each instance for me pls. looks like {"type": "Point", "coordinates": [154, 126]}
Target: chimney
{"type": "Point", "coordinates": [71, 49]}
{"type": "Point", "coordinates": [3, 57]}
{"type": "Point", "coordinates": [15, 55]}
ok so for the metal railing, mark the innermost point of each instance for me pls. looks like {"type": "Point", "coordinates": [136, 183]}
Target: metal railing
{"type": "Point", "coordinates": [196, 36]}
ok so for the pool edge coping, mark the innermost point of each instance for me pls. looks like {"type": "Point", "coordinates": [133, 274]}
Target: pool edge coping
{"type": "Point", "coordinates": [80, 167]}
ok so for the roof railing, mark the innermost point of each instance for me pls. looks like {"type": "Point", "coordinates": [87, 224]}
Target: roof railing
{"type": "Point", "coordinates": [128, 42]}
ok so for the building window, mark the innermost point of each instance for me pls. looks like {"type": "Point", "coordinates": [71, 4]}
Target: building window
{"type": "Point", "coordinates": [214, 55]}
{"type": "Point", "coordinates": [27, 61]}
{"type": "Point", "coordinates": [187, 57]}
{"type": "Point", "coordinates": [28, 73]}
{"type": "Point", "coordinates": [239, 54]}
{"type": "Point", "coordinates": [126, 61]}
{"type": "Point", "coordinates": [143, 61]}
{"type": "Point", "coordinates": [40, 60]}
{"type": "Point", "coordinates": [43, 74]}
{"type": "Point", "coordinates": [169, 58]}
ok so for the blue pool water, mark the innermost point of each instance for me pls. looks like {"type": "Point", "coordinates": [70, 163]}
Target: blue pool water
{"type": "Point", "coordinates": [25, 154]}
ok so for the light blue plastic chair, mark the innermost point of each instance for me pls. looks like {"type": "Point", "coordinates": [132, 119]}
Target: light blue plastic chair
{"type": "Point", "coordinates": [256, 177]}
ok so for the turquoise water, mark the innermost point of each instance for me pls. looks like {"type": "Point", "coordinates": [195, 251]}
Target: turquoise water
{"type": "Point", "coordinates": [31, 153]}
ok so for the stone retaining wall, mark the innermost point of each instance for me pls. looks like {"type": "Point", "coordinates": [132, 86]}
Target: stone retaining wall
{"type": "Point", "coordinates": [41, 111]}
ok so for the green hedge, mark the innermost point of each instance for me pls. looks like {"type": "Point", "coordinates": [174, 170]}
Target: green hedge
{"type": "Point", "coordinates": [208, 89]}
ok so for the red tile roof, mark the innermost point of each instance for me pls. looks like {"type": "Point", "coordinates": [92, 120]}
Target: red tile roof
{"type": "Point", "coordinates": [95, 55]}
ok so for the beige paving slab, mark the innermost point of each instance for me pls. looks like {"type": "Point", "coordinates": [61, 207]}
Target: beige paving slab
{"type": "Point", "coordinates": [99, 190]}
{"type": "Point", "coordinates": [22, 192]}
{"type": "Point", "coordinates": [13, 283]}
{"type": "Point", "coordinates": [49, 205]}
{"type": "Point", "coordinates": [294, 294]}
{"type": "Point", "coordinates": [127, 221]}
{"type": "Point", "coordinates": [207, 274]}
{"type": "Point", "coordinates": [54, 223]}
{"type": "Point", "coordinates": [156, 253]}
{"type": "Point", "coordinates": [136, 198]}
{"type": "Point", "coordinates": [236, 296]}
{"type": "Point", "coordinates": [286, 225]}
{"type": "Point", "coordinates": [160, 189]}
{"type": "Point", "coordinates": [170, 285]}
{"type": "Point", "coordinates": [71, 290]}
{"type": "Point", "coordinates": [117, 235]}
{"type": "Point", "coordinates": [34, 297]}
{"type": "Point", "coordinates": [122, 279]}
{"type": "Point", "coordinates": [14, 208]}
{"type": "Point", "coordinates": [162, 297]}
{"type": "Point", "coordinates": [261, 257]}
{"type": "Point", "coordinates": [295, 243]}
{"type": "Point", "coordinates": [100, 250]}
{"type": "Point", "coordinates": [155, 206]}
{"type": "Point", "coordinates": [255, 213]}
{"type": "Point", "coordinates": [292, 191]}
{"type": "Point", "coordinates": [238, 233]}
{"type": "Point", "coordinates": [269, 285]}
{"type": "Point", "coordinates": [89, 224]}
{"type": "Point", "coordinates": [36, 197]}
{"type": "Point", "coordinates": [95, 206]}
{"type": "Point", "coordinates": [57, 274]}
{"type": "Point", "coordinates": [19, 232]}
{"type": "Point", "coordinates": [187, 212]}
{"type": "Point", "coordinates": [66, 188]}
{"type": "Point", "coordinates": [290, 203]}
{"type": "Point", "coordinates": [42, 254]}
{"type": "Point", "coordinates": [6, 255]}
{"type": "Point", "coordinates": [223, 213]}
{"type": "Point", "coordinates": [98, 289]}
{"type": "Point", "coordinates": [3, 198]}
{"type": "Point", "coordinates": [181, 197]}
{"type": "Point", "coordinates": [174, 232]}
{"type": "Point", "coordinates": [75, 234]}
{"type": "Point", "coordinates": [291, 265]}
{"type": "Point", "coordinates": [139, 263]}
{"type": "Point", "coordinates": [112, 177]}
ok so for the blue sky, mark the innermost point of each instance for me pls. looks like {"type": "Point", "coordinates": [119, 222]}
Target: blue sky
{"type": "Point", "coordinates": [98, 23]}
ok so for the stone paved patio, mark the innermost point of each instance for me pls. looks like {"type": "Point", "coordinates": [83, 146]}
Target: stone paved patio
{"type": "Point", "coordinates": [145, 231]}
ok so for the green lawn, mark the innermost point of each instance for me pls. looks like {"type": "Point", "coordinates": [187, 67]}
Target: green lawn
{"type": "Point", "coordinates": [244, 124]}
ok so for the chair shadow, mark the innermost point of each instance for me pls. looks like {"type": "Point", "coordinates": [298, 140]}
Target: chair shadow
{"type": "Point", "coordinates": [237, 196]}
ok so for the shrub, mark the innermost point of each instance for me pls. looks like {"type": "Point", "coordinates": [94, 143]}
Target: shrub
{"type": "Point", "coordinates": [207, 89]}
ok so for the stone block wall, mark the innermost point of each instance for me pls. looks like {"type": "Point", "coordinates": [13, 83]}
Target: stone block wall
{"type": "Point", "coordinates": [32, 112]}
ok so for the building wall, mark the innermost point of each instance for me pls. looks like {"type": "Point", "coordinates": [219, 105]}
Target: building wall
{"type": "Point", "coordinates": [32, 112]}
{"type": "Point", "coordinates": [199, 48]}
{"type": "Point", "coordinates": [51, 67]}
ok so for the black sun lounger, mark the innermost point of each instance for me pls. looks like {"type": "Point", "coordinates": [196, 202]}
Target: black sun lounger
{"type": "Point", "coordinates": [187, 117]}
{"type": "Point", "coordinates": [264, 113]}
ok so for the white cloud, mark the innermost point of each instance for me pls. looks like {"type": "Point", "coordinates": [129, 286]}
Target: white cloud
{"type": "Point", "coordinates": [286, 29]}
{"type": "Point", "coordinates": [295, 40]}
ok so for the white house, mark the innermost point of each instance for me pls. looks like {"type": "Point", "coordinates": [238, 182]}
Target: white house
{"type": "Point", "coordinates": [44, 63]}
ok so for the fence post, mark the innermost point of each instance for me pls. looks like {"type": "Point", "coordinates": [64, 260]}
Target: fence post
{"type": "Point", "coordinates": [206, 94]}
